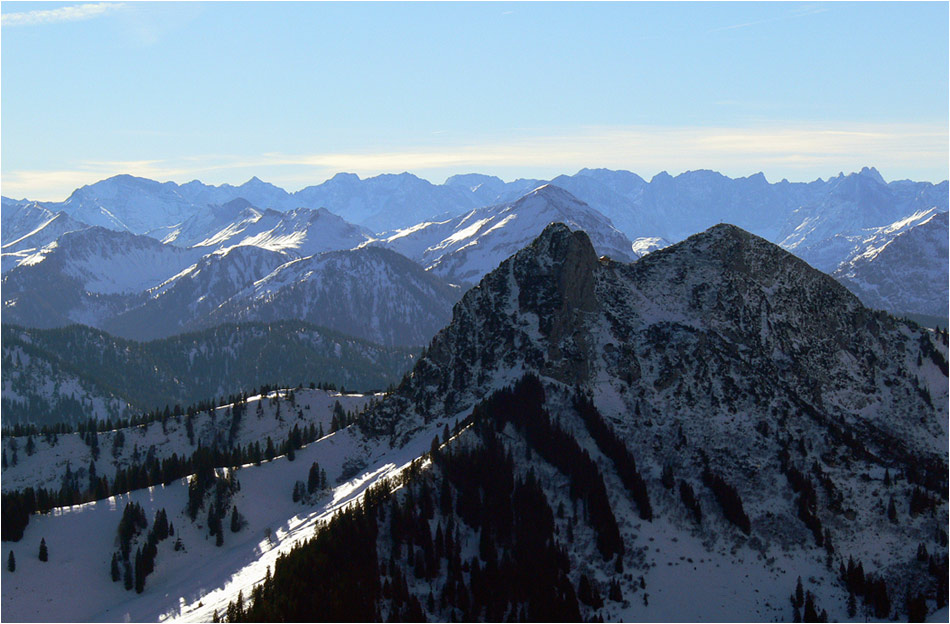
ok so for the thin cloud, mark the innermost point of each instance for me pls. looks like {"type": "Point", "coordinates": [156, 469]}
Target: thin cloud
{"type": "Point", "coordinates": [65, 14]}
{"type": "Point", "coordinates": [802, 12]}
{"type": "Point", "coordinates": [802, 151]}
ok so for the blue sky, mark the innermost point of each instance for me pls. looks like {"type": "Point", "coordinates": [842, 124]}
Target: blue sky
{"type": "Point", "coordinates": [295, 92]}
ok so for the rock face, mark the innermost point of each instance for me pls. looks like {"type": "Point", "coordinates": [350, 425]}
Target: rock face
{"type": "Point", "coordinates": [722, 350]}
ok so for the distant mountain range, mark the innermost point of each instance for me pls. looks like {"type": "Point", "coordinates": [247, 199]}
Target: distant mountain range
{"type": "Point", "coordinates": [145, 260]}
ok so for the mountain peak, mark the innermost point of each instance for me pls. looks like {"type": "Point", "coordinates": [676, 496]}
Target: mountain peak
{"type": "Point", "coordinates": [871, 172]}
{"type": "Point", "coordinates": [238, 203]}
{"type": "Point", "coordinates": [344, 177]}
{"type": "Point", "coordinates": [550, 192]}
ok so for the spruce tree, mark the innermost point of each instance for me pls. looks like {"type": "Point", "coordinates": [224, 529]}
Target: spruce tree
{"type": "Point", "coordinates": [44, 553]}
{"type": "Point", "coordinates": [892, 511]}
{"type": "Point", "coordinates": [235, 520]}
{"type": "Point", "coordinates": [313, 478]}
{"type": "Point", "coordinates": [115, 568]}
{"type": "Point", "coordinates": [11, 562]}
{"type": "Point", "coordinates": [139, 572]}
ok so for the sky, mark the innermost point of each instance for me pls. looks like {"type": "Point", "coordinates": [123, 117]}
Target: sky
{"type": "Point", "coordinates": [295, 92]}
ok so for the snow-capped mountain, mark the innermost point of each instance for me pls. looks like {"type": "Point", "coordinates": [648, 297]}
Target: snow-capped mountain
{"type": "Point", "coordinates": [183, 302]}
{"type": "Point", "coordinates": [386, 201]}
{"type": "Point", "coordinates": [21, 219]}
{"type": "Point", "coordinates": [848, 205]}
{"type": "Point", "coordinates": [467, 247]}
{"type": "Point", "coordinates": [370, 292]}
{"type": "Point", "coordinates": [255, 191]}
{"type": "Point", "coordinates": [687, 436]}
{"type": "Point", "coordinates": [903, 268]}
{"type": "Point", "coordinates": [86, 276]}
{"type": "Point", "coordinates": [128, 204]}
{"type": "Point", "coordinates": [28, 228]}
{"type": "Point", "coordinates": [301, 232]}
{"type": "Point", "coordinates": [491, 190]}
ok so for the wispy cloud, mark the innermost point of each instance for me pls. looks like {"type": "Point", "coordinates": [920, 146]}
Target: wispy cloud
{"type": "Point", "coordinates": [65, 14]}
{"type": "Point", "coordinates": [798, 152]}
{"type": "Point", "coordinates": [800, 12]}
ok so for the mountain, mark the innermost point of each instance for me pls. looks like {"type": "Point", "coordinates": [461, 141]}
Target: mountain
{"type": "Point", "coordinates": [847, 205]}
{"type": "Point", "coordinates": [22, 218]}
{"type": "Point", "coordinates": [467, 247]}
{"type": "Point", "coordinates": [140, 288]}
{"type": "Point", "coordinates": [686, 437]}
{"type": "Point", "coordinates": [28, 228]}
{"type": "Point", "coordinates": [446, 228]}
{"type": "Point", "coordinates": [370, 292]}
{"type": "Point", "coordinates": [255, 191]}
{"type": "Point", "coordinates": [301, 231]}
{"type": "Point", "coordinates": [214, 224]}
{"type": "Point", "coordinates": [386, 201]}
{"type": "Point", "coordinates": [87, 276]}
{"type": "Point", "coordinates": [305, 232]}
{"type": "Point", "coordinates": [903, 268]}
{"type": "Point", "coordinates": [490, 190]}
{"type": "Point", "coordinates": [75, 373]}
{"type": "Point", "coordinates": [128, 204]}
{"type": "Point", "coordinates": [184, 302]}
{"type": "Point", "coordinates": [800, 216]}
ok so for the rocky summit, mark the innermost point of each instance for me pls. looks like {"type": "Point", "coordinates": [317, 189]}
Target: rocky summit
{"type": "Point", "coordinates": [722, 360]}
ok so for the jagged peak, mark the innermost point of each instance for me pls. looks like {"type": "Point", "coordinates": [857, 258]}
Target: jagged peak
{"type": "Point", "coordinates": [871, 172]}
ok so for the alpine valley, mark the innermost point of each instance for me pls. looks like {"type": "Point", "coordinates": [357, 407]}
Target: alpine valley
{"type": "Point", "coordinates": [593, 398]}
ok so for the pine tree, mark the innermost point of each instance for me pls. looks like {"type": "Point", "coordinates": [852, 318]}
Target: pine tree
{"type": "Point", "coordinates": [44, 553]}
{"type": "Point", "coordinates": [313, 478]}
{"type": "Point", "coordinates": [139, 572]}
{"type": "Point", "coordinates": [235, 520]}
{"type": "Point", "coordinates": [11, 562]}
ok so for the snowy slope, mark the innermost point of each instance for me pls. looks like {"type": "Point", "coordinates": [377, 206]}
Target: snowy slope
{"type": "Point", "coordinates": [848, 205]}
{"type": "Point", "coordinates": [46, 467]}
{"type": "Point", "coordinates": [467, 247]}
{"type": "Point", "coordinates": [27, 248]}
{"type": "Point", "coordinates": [38, 385]}
{"type": "Point", "coordinates": [191, 583]}
{"type": "Point", "coordinates": [128, 204]}
{"type": "Point", "coordinates": [371, 293]}
{"type": "Point", "coordinates": [20, 219]}
{"type": "Point", "coordinates": [904, 267]}
{"type": "Point", "coordinates": [108, 262]}
{"type": "Point", "coordinates": [183, 301]}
